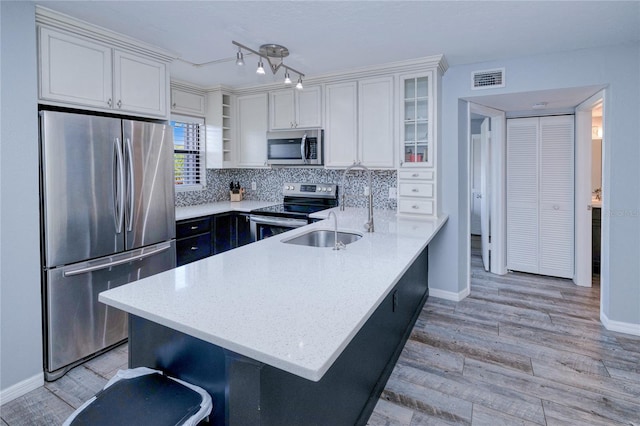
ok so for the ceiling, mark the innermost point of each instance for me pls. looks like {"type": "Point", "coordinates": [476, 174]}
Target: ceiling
{"type": "Point", "coordinates": [332, 36]}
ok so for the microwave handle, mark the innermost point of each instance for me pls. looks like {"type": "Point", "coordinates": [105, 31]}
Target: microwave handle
{"type": "Point", "coordinates": [303, 148]}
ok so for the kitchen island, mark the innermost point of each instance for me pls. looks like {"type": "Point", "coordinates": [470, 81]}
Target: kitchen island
{"type": "Point", "coordinates": [287, 334]}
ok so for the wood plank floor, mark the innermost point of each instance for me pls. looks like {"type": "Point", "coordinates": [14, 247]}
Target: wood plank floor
{"type": "Point", "coordinates": [520, 350]}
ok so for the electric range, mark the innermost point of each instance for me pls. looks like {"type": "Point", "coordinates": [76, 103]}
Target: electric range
{"type": "Point", "coordinates": [300, 200]}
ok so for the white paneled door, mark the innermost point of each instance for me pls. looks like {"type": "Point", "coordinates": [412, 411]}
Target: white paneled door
{"type": "Point", "coordinates": [540, 195]}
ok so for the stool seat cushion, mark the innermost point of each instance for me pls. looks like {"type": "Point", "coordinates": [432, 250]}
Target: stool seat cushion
{"type": "Point", "coordinates": [144, 399]}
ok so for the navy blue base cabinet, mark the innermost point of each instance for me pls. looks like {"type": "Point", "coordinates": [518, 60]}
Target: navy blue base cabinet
{"type": "Point", "coordinates": [248, 392]}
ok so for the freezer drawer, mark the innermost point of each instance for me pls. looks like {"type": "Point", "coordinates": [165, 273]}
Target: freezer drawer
{"type": "Point", "coordinates": [78, 325]}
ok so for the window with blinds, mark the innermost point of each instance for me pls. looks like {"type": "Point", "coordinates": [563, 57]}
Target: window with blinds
{"type": "Point", "coordinates": [189, 145]}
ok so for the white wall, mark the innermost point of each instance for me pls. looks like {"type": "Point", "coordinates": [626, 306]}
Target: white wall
{"type": "Point", "coordinates": [619, 68]}
{"type": "Point", "coordinates": [20, 316]}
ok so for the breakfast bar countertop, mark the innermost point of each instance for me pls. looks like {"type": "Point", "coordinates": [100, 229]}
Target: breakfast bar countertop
{"type": "Point", "coordinates": [290, 306]}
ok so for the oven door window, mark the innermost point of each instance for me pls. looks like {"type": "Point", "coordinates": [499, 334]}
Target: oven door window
{"type": "Point", "coordinates": [266, 231]}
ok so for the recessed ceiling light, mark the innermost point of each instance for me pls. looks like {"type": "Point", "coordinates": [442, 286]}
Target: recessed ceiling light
{"type": "Point", "coordinates": [539, 105]}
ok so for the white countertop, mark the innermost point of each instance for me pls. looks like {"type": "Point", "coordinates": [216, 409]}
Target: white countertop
{"type": "Point", "coordinates": [290, 306]}
{"type": "Point", "coordinates": [244, 206]}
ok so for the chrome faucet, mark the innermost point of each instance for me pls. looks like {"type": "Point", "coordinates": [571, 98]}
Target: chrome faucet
{"type": "Point", "coordinates": [369, 224]}
{"type": "Point", "coordinates": [337, 245]}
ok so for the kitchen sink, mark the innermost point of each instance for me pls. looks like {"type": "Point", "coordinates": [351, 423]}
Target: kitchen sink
{"type": "Point", "coordinates": [323, 238]}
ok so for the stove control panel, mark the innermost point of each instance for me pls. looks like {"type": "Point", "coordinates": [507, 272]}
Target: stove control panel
{"type": "Point", "coordinates": [324, 190]}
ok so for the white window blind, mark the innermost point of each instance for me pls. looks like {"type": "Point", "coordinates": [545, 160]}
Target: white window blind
{"type": "Point", "coordinates": [189, 148]}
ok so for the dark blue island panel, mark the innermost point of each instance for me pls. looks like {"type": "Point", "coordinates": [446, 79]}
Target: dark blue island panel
{"type": "Point", "coordinates": [249, 392]}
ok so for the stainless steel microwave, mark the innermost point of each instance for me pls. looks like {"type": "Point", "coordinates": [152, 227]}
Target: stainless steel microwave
{"type": "Point", "coordinates": [295, 147]}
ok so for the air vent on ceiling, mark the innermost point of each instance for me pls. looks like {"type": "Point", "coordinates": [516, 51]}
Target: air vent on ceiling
{"type": "Point", "coordinates": [487, 79]}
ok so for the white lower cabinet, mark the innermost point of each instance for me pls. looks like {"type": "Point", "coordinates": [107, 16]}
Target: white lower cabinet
{"type": "Point", "coordinates": [540, 195]}
{"type": "Point", "coordinates": [416, 192]}
{"type": "Point", "coordinates": [252, 125]}
{"type": "Point", "coordinates": [359, 123]}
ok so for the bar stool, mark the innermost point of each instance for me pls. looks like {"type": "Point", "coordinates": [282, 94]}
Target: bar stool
{"type": "Point", "coordinates": [143, 396]}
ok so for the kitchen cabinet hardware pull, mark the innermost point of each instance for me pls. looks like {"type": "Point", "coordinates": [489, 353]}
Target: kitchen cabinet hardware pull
{"type": "Point", "coordinates": [119, 103]}
{"type": "Point", "coordinates": [415, 190]}
{"type": "Point", "coordinates": [173, 104]}
{"type": "Point", "coordinates": [194, 227]}
{"type": "Point", "coordinates": [415, 175]}
{"type": "Point", "coordinates": [110, 103]}
{"type": "Point", "coordinates": [194, 248]}
{"type": "Point", "coordinates": [415, 206]}
{"type": "Point", "coordinates": [109, 264]}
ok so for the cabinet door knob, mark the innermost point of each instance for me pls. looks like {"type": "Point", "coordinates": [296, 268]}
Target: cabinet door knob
{"type": "Point", "coordinates": [415, 206]}
{"type": "Point", "coordinates": [173, 105]}
{"type": "Point", "coordinates": [415, 190]}
{"type": "Point", "coordinates": [119, 103]}
{"type": "Point", "coordinates": [110, 102]}
{"type": "Point", "coordinates": [194, 248]}
{"type": "Point", "coordinates": [194, 227]}
{"type": "Point", "coordinates": [415, 175]}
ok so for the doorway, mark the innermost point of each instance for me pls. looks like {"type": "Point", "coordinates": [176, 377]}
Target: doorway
{"type": "Point", "coordinates": [590, 126]}
{"type": "Point", "coordinates": [486, 189]}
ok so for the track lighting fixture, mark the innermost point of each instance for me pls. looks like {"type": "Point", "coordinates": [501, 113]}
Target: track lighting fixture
{"type": "Point", "coordinates": [268, 52]}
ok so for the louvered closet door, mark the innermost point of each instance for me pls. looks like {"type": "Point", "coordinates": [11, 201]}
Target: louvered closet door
{"type": "Point", "coordinates": [522, 195]}
{"type": "Point", "coordinates": [557, 196]}
{"type": "Point", "coordinates": [540, 195]}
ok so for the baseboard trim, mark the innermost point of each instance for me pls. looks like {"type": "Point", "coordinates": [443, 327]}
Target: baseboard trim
{"type": "Point", "coordinates": [449, 295]}
{"type": "Point", "coordinates": [21, 388]}
{"type": "Point", "coordinates": [619, 326]}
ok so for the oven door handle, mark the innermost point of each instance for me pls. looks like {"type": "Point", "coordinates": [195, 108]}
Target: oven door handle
{"type": "Point", "coordinates": [264, 220]}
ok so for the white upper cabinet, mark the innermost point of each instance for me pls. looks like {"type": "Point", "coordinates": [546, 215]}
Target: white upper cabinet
{"type": "Point", "coordinates": [75, 70]}
{"type": "Point", "coordinates": [187, 102]}
{"type": "Point", "coordinates": [416, 140]}
{"type": "Point", "coordinates": [98, 70]}
{"type": "Point", "coordinates": [251, 120]}
{"type": "Point", "coordinates": [140, 84]}
{"type": "Point", "coordinates": [359, 123]}
{"type": "Point", "coordinates": [376, 119]}
{"type": "Point", "coordinates": [341, 124]}
{"type": "Point", "coordinates": [292, 108]}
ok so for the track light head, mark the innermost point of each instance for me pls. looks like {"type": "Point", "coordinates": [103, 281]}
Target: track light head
{"type": "Point", "coordinates": [260, 69]}
{"type": "Point", "coordinates": [299, 84]}
{"type": "Point", "coordinates": [287, 78]}
{"type": "Point", "coordinates": [239, 58]}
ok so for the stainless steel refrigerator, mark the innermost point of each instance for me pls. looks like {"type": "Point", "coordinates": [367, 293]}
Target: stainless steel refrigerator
{"type": "Point", "coordinates": [107, 219]}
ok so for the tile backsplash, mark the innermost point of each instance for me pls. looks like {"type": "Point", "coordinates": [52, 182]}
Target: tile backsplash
{"type": "Point", "coordinates": [269, 183]}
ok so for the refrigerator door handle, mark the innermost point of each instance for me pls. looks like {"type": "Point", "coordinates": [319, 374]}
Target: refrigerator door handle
{"type": "Point", "coordinates": [119, 190]}
{"type": "Point", "coordinates": [107, 264]}
{"type": "Point", "coordinates": [131, 185]}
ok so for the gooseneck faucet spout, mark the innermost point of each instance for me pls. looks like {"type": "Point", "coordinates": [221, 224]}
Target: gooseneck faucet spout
{"type": "Point", "coordinates": [337, 245]}
{"type": "Point", "coordinates": [369, 224]}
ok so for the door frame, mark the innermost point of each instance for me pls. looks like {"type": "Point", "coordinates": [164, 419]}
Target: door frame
{"type": "Point", "coordinates": [498, 222]}
{"type": "Point", "coordinates": [583, 213]}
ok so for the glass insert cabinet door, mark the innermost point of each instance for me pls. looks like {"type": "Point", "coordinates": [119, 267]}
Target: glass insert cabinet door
{"type": "Point", "coordinates": [416, 138]}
